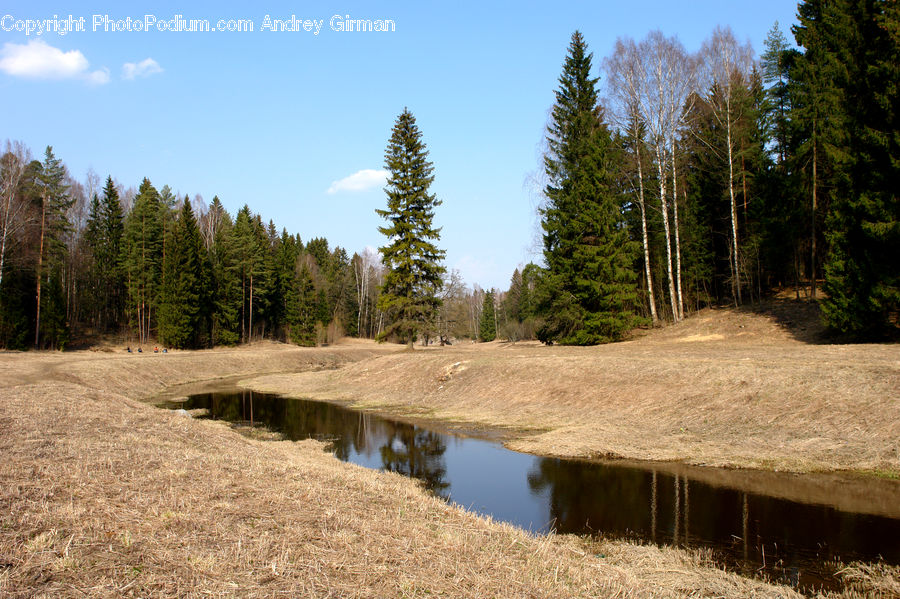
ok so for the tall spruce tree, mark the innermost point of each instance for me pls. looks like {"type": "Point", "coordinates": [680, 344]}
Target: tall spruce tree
{"type": "Point", "coordinates": [54, 203]}
{"type": "Point", "coordinates": [141, 259]}
{"type": "Point", "coordinates": [103, 235]}
{"type": "Point", "coordinates": [412, 260]}
{"type": "Point", "coordinates": [181, 310]}
{"type": "Point", "coordinates": [225, 288]}
{"type": "Point", "coordinates": [487, 328]}
{"type": "Point", "coordinates": [848, 80]}
{"type": "Point", "coordinates": [591, 281]}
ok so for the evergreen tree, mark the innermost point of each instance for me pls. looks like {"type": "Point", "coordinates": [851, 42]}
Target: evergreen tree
{"type": "Point", "coordinates": [591, 281]}
{"type": "Point", "coordinates": [141, 259]}
{"type": "Point", "coordinates": [181, 312]}
{"type": "Point", "coordinates": [54, 203]}
{"type": "Point", "coordinates": [413, 277]}
{"type": "Point", "coordinates": [487, 328]}
{"type": "Point", "coordinates": [848, 80]}
{"type": "Point", "coordinates": [225, 290]}
{"type": "Point", "coordinates": [103, 235]}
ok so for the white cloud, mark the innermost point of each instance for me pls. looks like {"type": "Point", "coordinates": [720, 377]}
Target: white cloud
{"type": "Point", "coordinates": [360, 181]}
{"type": "Point", "coordinates": [145, 68]}
{"type": "Point", "coordinates": [39, 60]}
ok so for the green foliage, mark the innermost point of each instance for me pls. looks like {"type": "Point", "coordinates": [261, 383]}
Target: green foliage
{"type": "Point", "coordinates": [52, 192]}
{"type": "Point", "coordinates": [224, 289]}
{"type": "Point", "coordinates": [142, 258]}
{"type": "Point", "coordinates": [413, 278]}
{"type": "Point", "coordinates": [487, 328]}
{"type": "Point", "coordinates": [182, 309]}
{"type": "Point", "coordinates": [591, 282]}
{"type": "Point", "coordinates": [848, 82]}
{"type": "Point", "coordinates": [104, 234]}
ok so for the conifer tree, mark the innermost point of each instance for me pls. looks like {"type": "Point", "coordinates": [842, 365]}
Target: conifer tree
{"type": "Point", "coordinates": [181, 307]}
{"type": "Point", "coordinates": [103, 235]}
{"type": "Point", "coordinates": [586, 245]}
{"type": "Point", "coordinates": [142, 248]}
{"type": "Point", "coordinates": [225, 290]}
{"type": "Point", "coordinates": [412, 260]}
{"type": "Point", "coordinates": [848, 79]}
{"type": "Point", "coordinates": [487, 329]}
{"type": "Point", "coordinates": [54, 202]}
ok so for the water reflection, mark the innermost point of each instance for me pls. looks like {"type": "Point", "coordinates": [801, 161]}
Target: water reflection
{"type": "Point", "coordinates": [754, 534]}
{"type": "Point", "coordinates": [750, 532]}
{"type": "Point", "coordinates": [354, 436]}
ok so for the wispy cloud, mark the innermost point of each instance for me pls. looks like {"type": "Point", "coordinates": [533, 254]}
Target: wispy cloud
{"type": "Point", "coordinates": [145, 68]}
{"type": "Point", "coordinates": [363, 180]}
{"type": "Point", "coordinates": [39, 60]}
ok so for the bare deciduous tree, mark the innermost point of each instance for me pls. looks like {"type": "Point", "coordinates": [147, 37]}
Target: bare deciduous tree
{"type": "Point", "coordinates": [625, 77]}
{"type": "Point", "coordinates": [666, 87]}
{"type": "Point", "coordinates": [364, 271]}
{"type": "Point", "coordinates": [14, 213]}
{"type": "Point", "coordinates": [726, 67]}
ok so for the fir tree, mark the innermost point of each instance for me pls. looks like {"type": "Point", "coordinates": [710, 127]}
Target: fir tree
{"type": "Point", "coordinates": [487, 328]}
{"type": "Point", "coordinates": [181, 309]}
{"type": "Point", "coordinates": [413, 277]}
{"type": "Point", "coordinates": [141, 258]}
{"type": "Point", "coordinates": [103, 235]}
{"type": "Point", "coordinates": [225, 290]}
{"type": "Point", "coordinates": [848, 80]}
{"type": "Point", "coordinates": [586, 245]}
{"type": "Point", "coordinates": [54, 203]}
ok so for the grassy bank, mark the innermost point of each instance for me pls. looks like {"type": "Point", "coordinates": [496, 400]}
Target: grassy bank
{"type": "Point", "coordinates": [725, 388]}
{"type": "Point", "coordinates": [105, 496]}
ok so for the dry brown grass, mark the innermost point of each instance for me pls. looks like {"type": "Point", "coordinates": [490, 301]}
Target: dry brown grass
{"type": "Point", "coordinates": [725, 388]}
{"type": "Point", "coordinates": [105, 496]}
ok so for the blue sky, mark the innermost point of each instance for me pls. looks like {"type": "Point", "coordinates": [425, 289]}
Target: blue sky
{"type": "Point", "coordinates": [278, 120]}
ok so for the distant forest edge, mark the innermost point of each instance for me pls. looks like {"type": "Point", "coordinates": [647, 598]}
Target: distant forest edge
{"type": "Point", "coordinates": [672, 181]}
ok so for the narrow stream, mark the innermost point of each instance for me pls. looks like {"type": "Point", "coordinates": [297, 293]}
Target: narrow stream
{"type": "Point", "coordinates": [756, 534]}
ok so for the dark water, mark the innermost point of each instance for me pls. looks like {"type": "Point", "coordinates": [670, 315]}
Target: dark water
{"type": "Point", "coordinates": [753, 534]}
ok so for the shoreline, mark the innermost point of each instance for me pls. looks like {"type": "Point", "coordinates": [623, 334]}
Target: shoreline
{"type": "Point", "coordinates": [103, 493]}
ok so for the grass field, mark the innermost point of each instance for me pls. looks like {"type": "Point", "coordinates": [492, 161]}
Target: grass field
{"type": "Point", "coordinates": [103, 495]}
{"type": "Point", "coordinates": [725, 388]}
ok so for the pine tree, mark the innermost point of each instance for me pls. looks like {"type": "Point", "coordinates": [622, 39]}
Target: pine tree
{"type": "Point", "coordinates": [591, 283]}
{"type": "Point", "coordinates": [413, 277]}
{"type": "Point", "coordinates": [487, 328]}
{"type": "Point", "coordinates": [54, 202]}
{"type": "Point", "coordinates": [103, 235]}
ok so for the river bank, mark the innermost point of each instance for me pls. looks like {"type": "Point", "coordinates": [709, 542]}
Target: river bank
{"type": "Point", "coordinates": [104, 495]}
{"type": "Point", "coordinates": [724, 389]}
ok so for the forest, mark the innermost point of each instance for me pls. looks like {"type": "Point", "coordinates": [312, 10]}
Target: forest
{"type": "Point", "coordinates": [672, 181]}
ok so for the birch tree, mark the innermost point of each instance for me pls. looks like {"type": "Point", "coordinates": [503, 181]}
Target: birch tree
{"type": "Point", "coordinates": [14, 213]}
{"type": "Point", "coordinates": [726, 67]}
{"type": "Point", "coordinates": [625, 77]}
{"type": "Point", "coordinates": [667, 85]}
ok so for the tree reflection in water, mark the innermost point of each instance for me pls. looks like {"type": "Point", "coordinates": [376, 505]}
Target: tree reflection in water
{"type": "Point", "coordinates": [788, 541]}
{"type": "Point", "coordinates": [417, 453]}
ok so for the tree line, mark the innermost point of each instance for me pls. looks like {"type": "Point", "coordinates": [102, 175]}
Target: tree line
{"type": "Point", "coordinates": [77, 260]}
{"type": "Point", "coordinates": [672, 181]}
{"type": "Point", "coordinates": [690, 180]}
